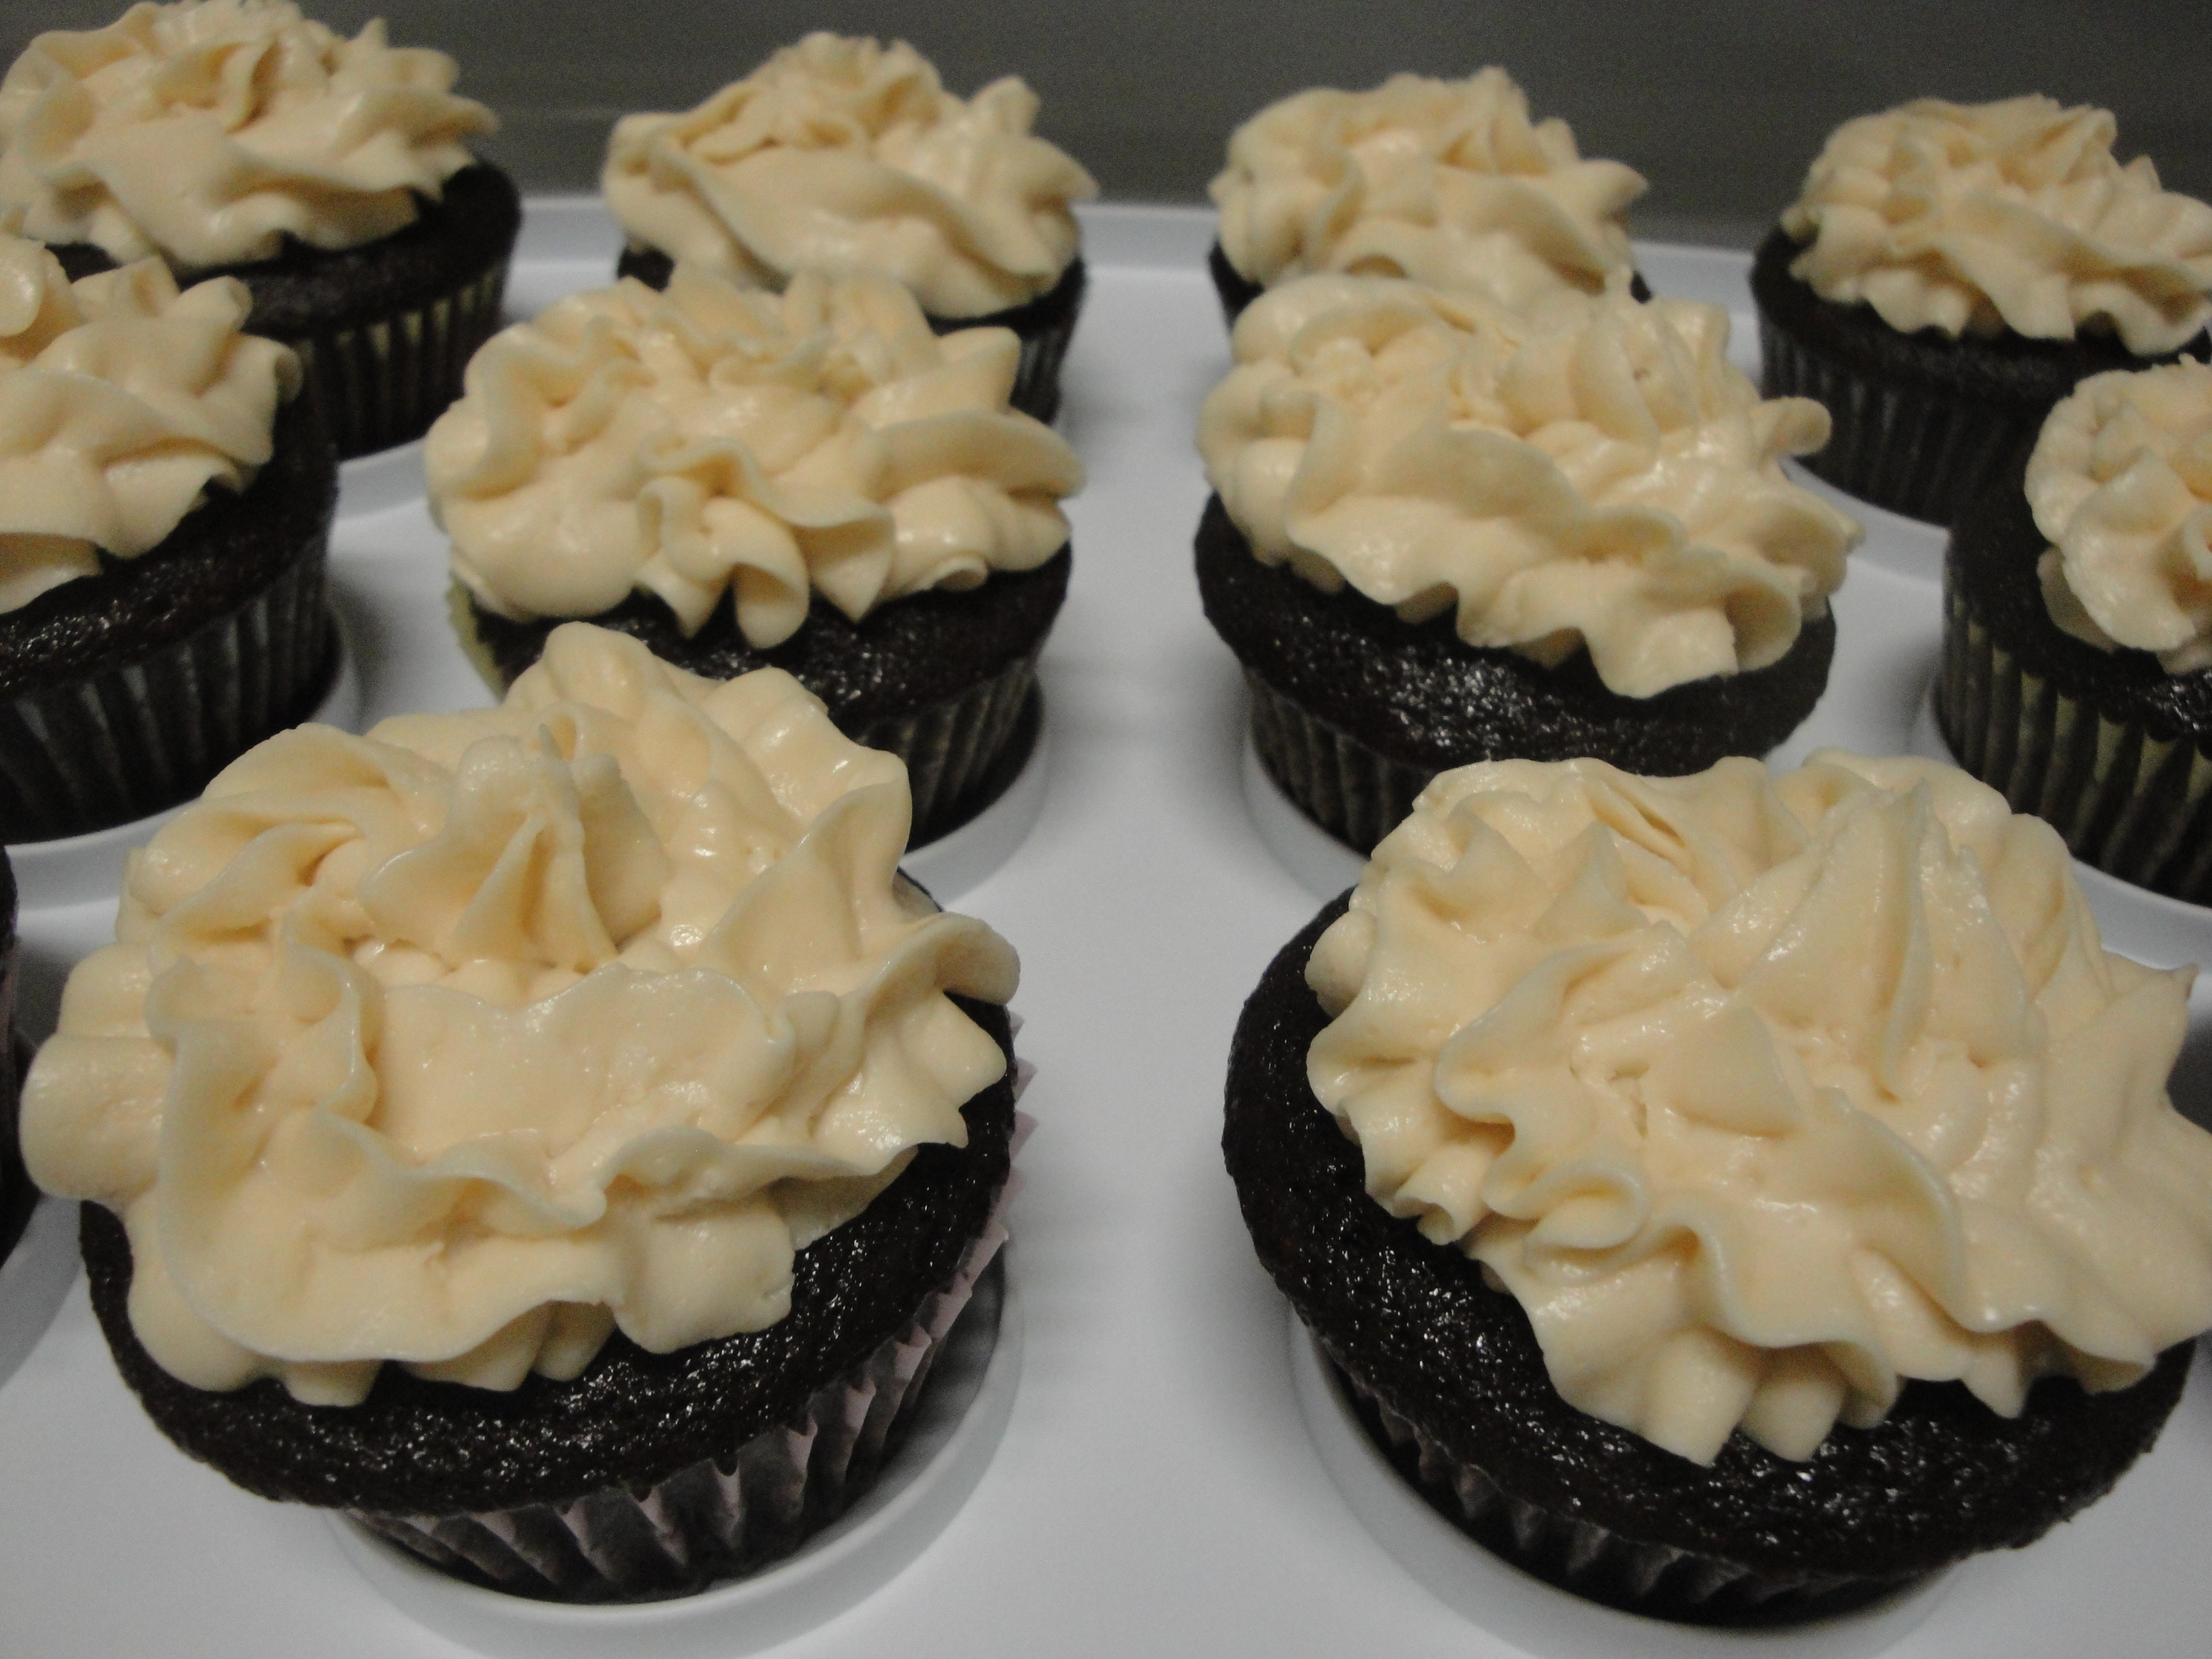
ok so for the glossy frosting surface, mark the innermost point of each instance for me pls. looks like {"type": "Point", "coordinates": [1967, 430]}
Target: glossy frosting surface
{"type": "Point", "coordinates": [462, 1043]}
{"type": "Point", "coordinates": [208, 132]}
{"type": "Point", "coordinates": [2121, 483]}
{"type": "Point", "coordinates": [1444, 182]}
{"type": "Point", "coordinates": [846, 156]}
{"type": "Point", "coordinates": [1586, 473]}
{"type": "Point", "coordinates": [122, 402]}
{"type": "Point", "coordinates": [715, 445]}
{"type": "Point", "coordinates": [1765, 1095]}
{"type": "Point", "coordinates": [1977, 218]}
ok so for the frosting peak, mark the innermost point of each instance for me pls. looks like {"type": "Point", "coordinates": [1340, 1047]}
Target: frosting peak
{"type": "Point", "coordinates": [1580, 473]}
{"type": "Point", "coordinates": [849, 156]}
{"type": "Point", "coordinates": [714, 441]}
{"type": "Point", "coordinates": [122, 400]}
{"type": "Point", "coordinates": [1765, 1095]}
{"type": "Point", "coordinates": [466, 1042]}
{"type": "Point", "coordinates": [2121, 481]}
{"type": "Point", "coordinates": [1442, 182]}
{"type": "Point", "coordinates": [1975, 218]}
{"type": "Point", "coordinates": [209, 131]}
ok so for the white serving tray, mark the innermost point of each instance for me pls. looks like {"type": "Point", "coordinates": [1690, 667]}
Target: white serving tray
{"type": "Point", "coordinates": [1156, 1491]}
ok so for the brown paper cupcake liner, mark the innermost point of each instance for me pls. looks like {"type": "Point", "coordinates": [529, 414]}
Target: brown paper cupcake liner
{"type": "Point", "coordinates": [1045, 325]}
{"type": "Point", "coordinates": [122, 743]}
{"type": "Point", "coordinates": [1577, 1555]}
{"type": "Point", "coordinates": [1913, 449]}
{"type": "Point", "coordinates": [1357, 794]}
{"type": "Point", "coordinates": [2136, 806]}
{"type": "Point", "coordinates": [383, 383]}
{"type": "Point", "coordinates": [722, 1516]}
{"type": "Point", "coordinates": [963, 753]}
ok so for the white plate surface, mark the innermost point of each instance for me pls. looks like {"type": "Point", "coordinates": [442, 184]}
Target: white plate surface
{"type": "Point", "coordinates": [1156, 1491]}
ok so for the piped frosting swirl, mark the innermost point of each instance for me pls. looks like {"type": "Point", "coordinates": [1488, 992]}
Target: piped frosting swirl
{"type": "Point", "coordinates": [2121, 483]}
{"type": "Point", "coordinates": [711, 442]}
{"type": "Point", "coordinates": [1977, 218]}
{"type": "Point", "coordinates": [1585, 473]}
{"type": "Point", "coordinates": [1442, 182]}
{"type": "Point", "coordinates": [209, 131]}
{"type": "Point", "coordinates": [465, 1042]}
{"type": "Point", "coordinates": [1765, 1095]}
{"type": "Point", "coordinates": [849, 156]}
{"type": "Point", "coordinates": [122, 402]}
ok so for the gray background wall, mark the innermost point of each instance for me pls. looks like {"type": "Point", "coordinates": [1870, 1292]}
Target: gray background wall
{"type": "Point", "coordinates": [1719, 103]}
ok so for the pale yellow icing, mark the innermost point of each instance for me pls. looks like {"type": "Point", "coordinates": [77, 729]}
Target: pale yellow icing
{"type": "Point", "coordinates": [1444, 182]}
{"type": "Point", "coordinates": [208, 132]}
{"type": "Point", "coordinates": [122, 402]}
{"type": "Point", "coordinates": [2121, 483]}
{"type": "Point", "coordinates": [1975, 218]}
{"type": "Point", "coordinates": [712, 440]}
{"type": "Point", "coordinates": [849, 156]}
{"type": "Point", "coordinates": [1765, 1095]}
{"type": "Point", "coordinates": [464, 1044]}
{"type": "Point", "coordinates": [1579, 473]}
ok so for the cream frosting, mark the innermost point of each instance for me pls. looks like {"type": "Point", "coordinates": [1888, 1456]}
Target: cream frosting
{"type": "Point", "coordinates": [1975, 218]}
{"type": "Point", "coordinates": [1765, 1095]}
{"type": "Point", "coordinates": [462, 1043]}
{"type": "Point", "coordinates": [2121, 483]}
{"type": "Point", "coordinates": [208, 132]}
{"type": "Point", "coordinates": [1582, 473]}
{"type": "Point", "coordinates": [122, 402]}
{"type": "Point", "coordinates": [712, 440]}
{"type": "Point", "coordinates": [1442, 182]}
{"type": "Point", "coordinates": [849, 156]}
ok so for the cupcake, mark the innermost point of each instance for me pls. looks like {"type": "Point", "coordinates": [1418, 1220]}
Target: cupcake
{"type": "Point", "coordinates": [847, 156]}
{"type": "Point", "coordinates": [1447, 183]}
{"type": "Point", "coordinates": [163, 534]}
{"type": "Point", "coordinates": [236, 137]}
{"type": "Point", "coordinates": [554, 1134]}
{"type": "Point", "coordinates": [1443, 532]}
{"type": "Point", "coordinates": [812, 480]}
{"type": "Point", "coordinates": [1948, 274]}
{"type": "Point", "coordinates": [1729, 1198]}
{"type": "Point", "coordinates": [2077, 628]}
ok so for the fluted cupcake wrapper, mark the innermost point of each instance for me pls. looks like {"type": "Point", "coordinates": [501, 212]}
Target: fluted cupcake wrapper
{"type": "Point", "coordinates": [1657, 1580]}
{"type": "Point", "coordinates": [1045, 326]}
{"type": "Point", "coordinates": [964, 752]}
{"type": "Point", "coordinates": [722, 1516]}
{"type": "Point", "coordinates": [2133, 804]}
{"type": "Point", "coordinates": [1357, 794]}
{"type": "Point", "coordinates": [383, 383]}
{"type": "Point", "coordinates": [1913, 449]}
{"type": "Point", "coordinates": [125, 742]}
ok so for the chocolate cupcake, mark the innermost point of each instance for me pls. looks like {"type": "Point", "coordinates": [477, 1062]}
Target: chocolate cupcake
{"type": "Point", "coordinates": [811, 480]}
{"type": "Point", "coordinates": [1950, 273]}
{"type": "Point", "coordinates": [625, 1132]}
{"type": "Point", "coordinates": [163, 541]}
{"type": "Point", "coordinates": [1446, 532]}
{"type": "Point", "coordinates": [1634, 1149]}
{"type": "Point", "coordinates": [846, 157]}
{"type": "Point", "coordinates": [331, 176]}
{"type": "Point", "coordinates": [1447, 183]}
{"type": "Point", "coordinates": [2077, 630]}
